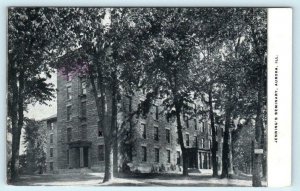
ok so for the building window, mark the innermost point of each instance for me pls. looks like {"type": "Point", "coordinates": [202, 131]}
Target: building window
{"type": "Point", "coordinates": [195, 141]}
{"type": "Point", "coordinates": [210, 131]}
{"type": "Point", "coordinates": [209, 161]}
{"type": "Point", "coordinates": [69, 77]}
{"type": "Point", "coordinates": [195, 124]}
{"type": "Point", "coordinates": [178, 158]}
{"type": "Point", "coordinates": [68, 156]}
{"type": "Point", "coordinates": [83, 88]}
{"type": "Point", "coordinates": [187, 139]}
{"type": "Point", "coordinates": [83, 109]}
{"type": "Point", "coordinates": [83, 132]}
{"type": "Point", "coordinates": [186, 119]}
{"type": "Point", "coordinates": [205, 126]}
{"type": "Point", "coordinates": [51, 152]}
{"type": "Point", "coordinates": [69, 93]}
{"type": "Point", "coordinates": [101, 152]}
{"type": "Point", "coordinates": [209, 144]}
{"type": "Point", "coordinates": [169, 156]}
{"type": "Point", "coordinates": [69, 112]}
{"type": "Point", "coordinates": [156, 133]}
{"type": "Point", "coordinates": [156, 112]}
{"type": "Point", "coordinates": [50, 125]}
{"type": "Point", "coordinates": [144, 131]}
{"type": "Point", "coordinates": [51, 166]}
{"type": "Point", "coordinates": [129, 152]}
{"type": "Point", "coordinates": [168, 119]}
{"type": "Point", "coordinates": [69, 134]}
{"type": "Point", "coordinates": [51, 138]}
{"type": "Point", "coordinates": [168, 135]}
{"type": "Point", "coordinates": [144, 152]}
{"type": "Point", "coordinates": [100, 131]}
{"type": "Point", "coordinates": [156, 152]}
{"type": "Point", "coordinates": [202, 143]}
{"type": "Point", "coordinates": [202, 126]}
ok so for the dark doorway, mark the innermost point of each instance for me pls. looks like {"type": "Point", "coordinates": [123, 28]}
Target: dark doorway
{"type": "Point", "coordinates": [85, 156]}
{"type": "Point", "coordinates": [192, 160]}
{"type": "Point", "coordinates": [200, 159]}
{"type": "Point", "coordinates": [205, 161]}
{"type": "Point", "coordinates": [77, 158]}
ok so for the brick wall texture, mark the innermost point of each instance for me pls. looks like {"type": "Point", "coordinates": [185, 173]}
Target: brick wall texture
{"type": "Point", "coordinates": [85, 132]}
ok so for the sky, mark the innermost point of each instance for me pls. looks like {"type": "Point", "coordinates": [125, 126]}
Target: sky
{"type": "Point", "coordinates": [39, 111]}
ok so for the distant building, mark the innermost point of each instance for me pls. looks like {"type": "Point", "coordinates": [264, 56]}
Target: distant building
{"type": "Point", "coordinates": [153, 141]}
{"type": "Point", "coordinates": [50, 124]}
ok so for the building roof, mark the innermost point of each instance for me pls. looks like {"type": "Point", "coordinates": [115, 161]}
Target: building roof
{"type": "Point", "coordinates": [54, 116]}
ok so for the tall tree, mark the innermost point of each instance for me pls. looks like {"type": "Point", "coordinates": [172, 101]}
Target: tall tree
{"type": "Point", "coordinates": [35, 139]}
{"type": "Point", "coordinates": [214, 34]}
{"type": "Point", "coordinates": [109, 53]}
{"type": "Point", "coordinates": [257, 24]}
{"type": "Point", "coordinates": [169, 69]}
{"type": "Point", "coordinates": [28, 53]}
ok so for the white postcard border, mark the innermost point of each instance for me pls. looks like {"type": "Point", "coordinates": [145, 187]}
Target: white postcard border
{"type": "Point", "coordinates": [279, 97]}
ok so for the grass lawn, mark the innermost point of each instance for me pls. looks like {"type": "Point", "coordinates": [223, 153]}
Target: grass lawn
{"type": "Point", "coordinates": [95, 179]}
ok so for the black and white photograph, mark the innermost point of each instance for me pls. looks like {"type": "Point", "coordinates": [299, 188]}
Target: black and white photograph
{"type": "Point", "coordinates": [137, 96]}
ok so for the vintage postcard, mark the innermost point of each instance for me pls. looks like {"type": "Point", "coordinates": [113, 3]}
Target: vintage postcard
{"type": "Point", "coordinates": [101, 96]}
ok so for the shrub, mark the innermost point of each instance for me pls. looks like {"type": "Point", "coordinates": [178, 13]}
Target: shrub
{"type": "Point", "coordinates": [137, 171]}
{"type": "Point", "coordinates": [154, 169]}
{"type": "Point", "coordinates": [173, 167]}
{"type": "Point", "coordinates": [162, 168]}
{"type": "Point", "coordinates": [125, 167]}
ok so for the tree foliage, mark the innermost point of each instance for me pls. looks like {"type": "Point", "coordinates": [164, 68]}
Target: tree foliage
{"type": "Point", "coordinates": [177, 55]}
{"type": "Point", "coordinates": [35, 139]}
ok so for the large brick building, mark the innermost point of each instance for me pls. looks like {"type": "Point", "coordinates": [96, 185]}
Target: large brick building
{"type": "Point", "coordinates": [49, 124]}
{"type": "Point", "coordinates": [80, 136]}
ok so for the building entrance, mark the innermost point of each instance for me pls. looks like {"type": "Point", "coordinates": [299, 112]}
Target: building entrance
{"type": "Point", "coordinates": [85, 157]}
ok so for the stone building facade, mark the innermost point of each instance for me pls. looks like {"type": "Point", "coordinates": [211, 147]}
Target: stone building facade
{"type": "Point", "coordinates": [50, 125]}
{"type": "Point", "coordinates": [153, 144]}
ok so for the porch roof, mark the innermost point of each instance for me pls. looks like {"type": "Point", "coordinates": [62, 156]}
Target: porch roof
{"type": "Point", "coordinates": [79, 143]}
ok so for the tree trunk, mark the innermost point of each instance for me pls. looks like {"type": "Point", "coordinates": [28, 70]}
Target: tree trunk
{"type": "Point", "coordinates": [256, 179]}
{"type": "Point", "coordinates": [114, 113]}
{"type": "Point", "coordinates": [230, 170]}
{"type": "Point", "coordinates": [214, 142]}
{"type": "Point", "coordinates": [100, 105]}
{"type": "Point", "coordinates": [264, 146]}
{"type": "Point", "coordinates": [181, 142]}
{"type": "Point", "coordinates": [108, 172]}
{"type": "Point", "coordinates": [225, 152]}
{"type": "Point", "coordinates": [14, 120]}
{"type": "Point", "coordinates": [257, 159]}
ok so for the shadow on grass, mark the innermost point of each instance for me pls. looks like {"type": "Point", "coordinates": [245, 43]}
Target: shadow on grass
{"type": "Point", "coordinates": [32, 180]}
{"type": "Point", "coordinates": [132, 179]}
